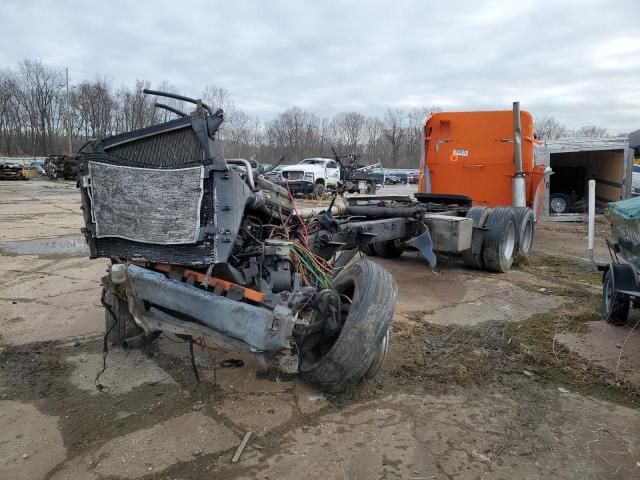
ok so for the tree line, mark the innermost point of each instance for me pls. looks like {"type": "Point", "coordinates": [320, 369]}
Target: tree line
{"type": "Point", "coordinates": [37, 117]}
{"type": "Point", "coordinates": [548, 128]}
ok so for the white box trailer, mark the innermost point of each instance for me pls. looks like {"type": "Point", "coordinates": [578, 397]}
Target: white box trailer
{"type": "Point", "coordinates": [575, 161]}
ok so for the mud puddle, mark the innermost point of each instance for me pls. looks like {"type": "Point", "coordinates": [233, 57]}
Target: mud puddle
{"type": "Point", "coordinates": [68, 245]}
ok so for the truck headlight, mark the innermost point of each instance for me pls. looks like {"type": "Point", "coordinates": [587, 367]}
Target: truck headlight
{"type": "Point", "coordinates": [308, 176]}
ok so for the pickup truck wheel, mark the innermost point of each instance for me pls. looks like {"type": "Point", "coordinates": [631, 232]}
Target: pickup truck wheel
{"type": "Point", "coordinates": [500, 240]}
{"type": "Point", "coordinates": [559, 203]}
{"type": "Point", "coordinates": [371, 188]}
{"type": "Point", "coordinates": [368, 294]}
{"type": "Point", "coordinates": [615, 309]}
{"type": "Point", "coordinates": [318, 191]}
{"type": "Point", "coordinates": [388, 248]}
{"type": "Point", "coordinates": [524, 229]}
{"type": "Point", "coordinates": [472, 257]}
{"type": "Point", "coordinates": [125, 327]}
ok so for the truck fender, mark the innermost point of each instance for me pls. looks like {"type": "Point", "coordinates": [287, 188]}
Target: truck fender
{"type": "Point", "coordinates": [624, 278]}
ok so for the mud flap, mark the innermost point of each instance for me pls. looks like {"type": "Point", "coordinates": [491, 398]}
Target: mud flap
{"type": "Point", "coordinates": [425, 246]}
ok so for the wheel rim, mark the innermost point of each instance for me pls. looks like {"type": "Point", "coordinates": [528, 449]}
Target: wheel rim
{"type": "Point", "coordinates": [558, 204]}
{"type": "Point", "coordinates": [509, 241]}
{"type": "Point", "coordinates": [527, 238]}
{"type": "Point", "coordinates": [608, 295]}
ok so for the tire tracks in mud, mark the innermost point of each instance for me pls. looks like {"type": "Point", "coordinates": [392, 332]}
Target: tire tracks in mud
{"type": "Point", "coordinates": [44, 270]}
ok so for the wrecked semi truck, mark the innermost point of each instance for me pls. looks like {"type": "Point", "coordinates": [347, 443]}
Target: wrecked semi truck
{"type": "Point", "coordinates": [204, 249]}
{"type": "Point", "coordinates": [487, 156]}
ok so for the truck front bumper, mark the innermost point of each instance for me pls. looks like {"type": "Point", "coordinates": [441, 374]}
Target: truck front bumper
{"type": "Point", "coordinates": [300, 187]}
{"type": "Point", "coordinates": [152, 297]}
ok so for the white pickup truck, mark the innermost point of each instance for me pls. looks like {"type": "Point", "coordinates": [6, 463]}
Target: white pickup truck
{"type": "Point", "coordinates": [312, 176]}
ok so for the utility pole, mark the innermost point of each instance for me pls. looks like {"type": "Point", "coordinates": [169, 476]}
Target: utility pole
{"type": "Point", "coordinates": [68, 112]}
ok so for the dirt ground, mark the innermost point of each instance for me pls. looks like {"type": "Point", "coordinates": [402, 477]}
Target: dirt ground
{"type": "Point", "coordinates": [488, 376]}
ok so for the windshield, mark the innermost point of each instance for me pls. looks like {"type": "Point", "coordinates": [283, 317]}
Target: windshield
{"type": "Point", "coordinates": [313, 161]}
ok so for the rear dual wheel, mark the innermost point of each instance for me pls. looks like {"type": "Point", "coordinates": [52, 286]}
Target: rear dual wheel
{"type": "Point", "coordinates": [385, 249]}
{"type": "Point", "coordinates": [500, 240]}
{"type": "Point", "coordinates": [368, 250]}
{"type": "Point", "coordinates": [498, 234]}
{"type": "Point", "coordinates": [472, 257]}
{"type": "Point", "coordinates": [389, 248]}
{"type": "Point", "coordinates": [525, 226]}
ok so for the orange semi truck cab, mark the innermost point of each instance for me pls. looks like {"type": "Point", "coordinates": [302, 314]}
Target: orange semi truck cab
{"type": "Point", "coordinates": [472, 154]}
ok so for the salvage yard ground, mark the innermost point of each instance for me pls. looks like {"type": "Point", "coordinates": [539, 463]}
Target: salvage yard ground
{"type": "Point", "coordinates": [488, 376]}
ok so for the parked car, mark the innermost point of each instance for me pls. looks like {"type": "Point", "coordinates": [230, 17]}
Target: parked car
{"type": "Point", "coordinates": [392, 180]}
{"type": "Point", "coordinates": [274, 175]}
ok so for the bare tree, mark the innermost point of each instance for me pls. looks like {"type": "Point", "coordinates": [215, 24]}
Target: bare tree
{"type": "Point", "coordinates": [295, 133]}
{"type": "Point", "coordinates": [238, 130]}
{"type": "Point", "coordinates": [92, 105]}
{"type": "Point", "coordinates": [348, 130]}
{"type": "Point", "coordinates": [218, 97]}
{"type": "Point", "coordinates": [592, 131]}
{"type": "Point", "coordinates": [33, 115]}
{"type": "Point", "coordinates": [325, 138]}
{"type": "Point", "coordinates": [548, 128]}
{"type": "Point", "coordinates": [395, 132]}
{"type": "Point", "coordinates": [41, 99]}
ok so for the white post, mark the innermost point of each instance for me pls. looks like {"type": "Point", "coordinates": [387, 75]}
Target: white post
{"type": "Point", "coordinates": [592, 216]}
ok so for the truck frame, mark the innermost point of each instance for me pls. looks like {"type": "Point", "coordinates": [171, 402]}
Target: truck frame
{"type": "Point", "coordinates": [201, 250]}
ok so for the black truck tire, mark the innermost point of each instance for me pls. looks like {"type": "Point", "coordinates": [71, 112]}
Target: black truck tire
{"type": "Point", "coordinates": [500, 240]}
{"type": "Point", "coordinates": [525, 225]}
{"type": "Point", "coordinates": [472, 257]}
{"type": "Point", "coordinates": [356, 351]}
{"type": "Point", "coordinates": [388, 249]}
{"type": "Point", "coordinates": [378, 360]}
{"type": "Point", "coordinates": [615, 307]}
{"type": "Point", "coordinates": [559, 203]}
{"type": "Point", "coordinates": [318, 191]}
{"type": "Point", "coordinates": [371, 188]}
{"type": "Point", "coordinates": [125, 327]}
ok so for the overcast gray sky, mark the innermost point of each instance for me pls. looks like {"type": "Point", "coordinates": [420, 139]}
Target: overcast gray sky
{"type": "Point", "coordinates": [576, 60]}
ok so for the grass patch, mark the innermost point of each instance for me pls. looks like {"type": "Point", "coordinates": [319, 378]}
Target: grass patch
{"type": "Point", "coordinates": [559, 268]}
{"type": "Point", "coordinates": [592, 385]}
{"type": "Point", "coordinates": [534, 340]}
{"type": "Point", "coordinates": [535, 335]}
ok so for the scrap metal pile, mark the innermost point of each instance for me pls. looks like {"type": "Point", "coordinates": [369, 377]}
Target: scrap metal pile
{"type": "Point", "coordinates": [10, 171]}
{"type": "Point", "coordinates": [209, 250]}
{"type": "Point", "coordinates": [61, 167]}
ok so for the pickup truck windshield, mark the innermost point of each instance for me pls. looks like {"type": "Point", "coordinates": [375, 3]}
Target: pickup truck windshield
{"type": "Point", "coordinates": [313, 161]}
